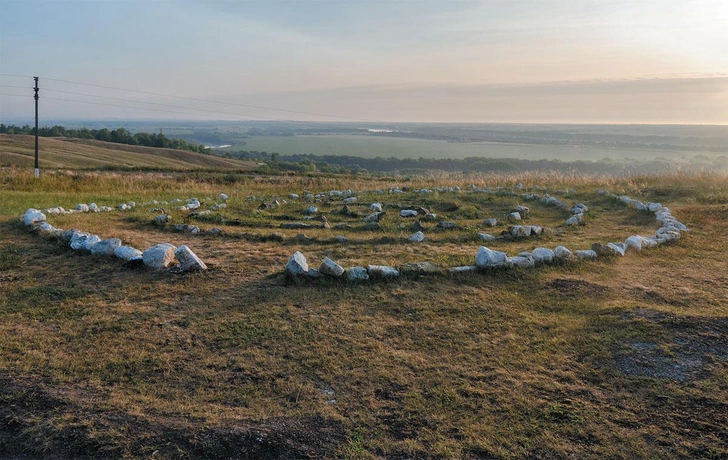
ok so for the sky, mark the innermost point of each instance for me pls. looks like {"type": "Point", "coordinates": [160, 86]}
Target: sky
{"type": "Point", "coordinates": [545, 61]}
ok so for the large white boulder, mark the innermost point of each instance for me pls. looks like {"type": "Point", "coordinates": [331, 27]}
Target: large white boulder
{"type": "Point", "coordinates": [159, 256]}
{"type": "Point", "coordinates": [106, 247]}
{"type": "Point", "coordinates": [382, 271]}
{"type": "Point", "coordinates": [520, 261]}
{"type": "Point", "coordinates": [562, 253]}
{"type": "Point", "coordinates": [356, 274]}
{"type": "Point", "coordinates": [33, 216]}
{"type": "Point", "coordinates": [417, 237]}
{"type": "Point", "coordinates": [408, 213]}
{"type": "Point", "coordinates": [188, 260]}
{"type": "Point", "coordinates": [331, 268]}
{"type": "Point", "coordinates": [128, 253]}
{"type": "Point", "coordinates": [488, 258]}
{"type": "Point", "coordinates": [633, 242]}
{"type": "Point", "coordinates": [82, 207]}
{"type": "Point", "coordinates": [585, 254]}
{"type": "Point", "coordinates": [297, 265]}
{"type": "Point", "coordinates": [542, 255]}
{"type": "Point", "coordinates": [375, 207]}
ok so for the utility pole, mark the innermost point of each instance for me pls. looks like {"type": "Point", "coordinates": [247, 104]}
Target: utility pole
{"type": "Point", "coordinates": [37, 171]}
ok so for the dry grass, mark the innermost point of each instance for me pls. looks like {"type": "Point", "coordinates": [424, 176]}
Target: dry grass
{"type": "Point", "coordinates": [621, 359]}
{"type": "Point", "coordinates": [54, 153]}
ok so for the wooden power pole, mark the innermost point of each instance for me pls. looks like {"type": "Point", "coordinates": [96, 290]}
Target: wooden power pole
{"type": "Point", "coordinates": [37, 171]}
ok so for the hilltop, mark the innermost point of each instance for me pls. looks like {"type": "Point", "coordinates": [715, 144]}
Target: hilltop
{"type": "Point", "coordinates": [62, 153]}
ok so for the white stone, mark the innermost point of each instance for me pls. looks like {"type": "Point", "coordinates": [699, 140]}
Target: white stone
{"type": "Point", "coordinates": [356, 274]}
{"type": "Point", "coordinates": [193, 204]}
{"type": "Point", "coordinates": [514, 217]}
{"type": "Point", "coordinates": [331, 268]}
{"type": "Point", "coordinates": [519, 231]}
{"type": "Point", "coordinates": [375, 207]}
{"type": "Point", "coordinates": [490, 222]}
{"type": "Point", "coordinates": [383, 271]}
{"type": "Point", "coordinates": [127, 253]}
{"type": "Point", "coordinates": [634, 242]}
{"type": "Point", "coordinates": [311, 210]}
{"type": "Point", "coordinates": [520, 261]}
{"type": "Point", "coordinates": [417, 237]}
{"type": "Point", "coordinates": [222, 197]}
{"type": "Point", "coordinates": [93, 207]}
{"type": "Point", "coordinates": [188, 260]}
{"type": "Point", "coordinates": [488, 258]}
{"type": "Point", "coordinates": [616, 248]}
{"type": "Point", "coordinates": [159, 256]}
{"type": "Point", "coordinates": [562, 253]}
{"type": "Point", "coordinates": [463, 269]}
{"type": "Point", "coordinates": [585, 254]}
{"type": "Point", "coordinates": [78, 240]}
{"type": "Point", "coordinates": [293, 196]}
{"type": "Point", "coordinates": [33, 216]}
{"type": "Point", "coordinates": [123, 207]}
{"type": "Point", "coordinates": [486, 237]}
{"type": "Point", "coordinates": [408, 213]}
{"type": "Point", "coordinates": [297, 264]}
{"type": "Point", "coordinates": [542, 255]}
{"type": "Point", "coordinates": [654, 207]}
{"type": "Point", "coordinates": [161, 219]}
{"type": "Point", "coordinates": [81, 207]}
{"type": "Point", "coordinates": [577, 219]}
{"type": "Point", "coordinates": [351, 200]}
{"type": "Point", "coordinates": [106, 247]}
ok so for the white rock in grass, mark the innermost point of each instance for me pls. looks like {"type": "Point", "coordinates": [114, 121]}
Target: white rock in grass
{"type": "Point", "coordinates": [486, 237]}
{"type": "Point", "coordinates": [127, 253]}
{"type": "Point", "coordinates": [331, 268]}
{"type": "Point", "coordinates": [577, 219]}
{"type": "Point", "coordinates": [159, 256]}
{"type": "Point", "coordinates": [187, 259]}
{"type": "Point", "coordinates": [106, 247]}
{"type": "Point", "coordinates": [585, 254]}
{"type": "Point", "coordinates": [81, 207]}
{"type": "Point", "coordinates": [617, 248]}
{"type": "Point", "coordinates": [351, 200]}
{"type": "Point", "coordinates": [519, 231]}
{"type": "Point", "coordinates": [514, 217]}
{"type": "Point", "coordinates": [562, 253]}
{"type": "Point", "coordinates": [375, 207]}
{"type": "Point", "coordinates": [648, 242]}
{"type": "Point", "coordinates": [490, 222]}
{"type": "Point", "coordinates": [520, 261]}
{"type": "Point", "coordinates": [633, 242]}
{"type": "Point", "coordinates": [462, 269]}
{"type": "Point", "coordinates": [123, 207]}
{"type": "Point", "coordinates": [542, 255]}
{"type": "Point", "coordinates": [297, 265]}
{"type": "Point", "coordinates": [488, 258]}
{"type": "Point", "coordinates": [356, 274]}
{"type": "Point", "coordinates": [33, 216]}
{"type": "Point", "coordinates": [408, 213]}
{"type": "Point", "coordinates": [93, 207]}
{"type": "Point", "coordinates": [222, 197]}
{"type": "Point", "coordinates": [78, 239]}
{"type": "Point", "coordinates": [382, 271]}
{"type": "Point", "coordinates": [417, 237]}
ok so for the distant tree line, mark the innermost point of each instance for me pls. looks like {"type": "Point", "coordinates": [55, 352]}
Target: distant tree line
{"type": "Point", "coordinates": [118, 136]}
{"type": "Point", "coordinates": [306, 163]}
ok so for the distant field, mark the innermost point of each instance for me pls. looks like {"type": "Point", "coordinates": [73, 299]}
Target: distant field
{"type": "Point", "coordinates": [373, 146]}
{"type": "Point", "coordinates": [19, 151]}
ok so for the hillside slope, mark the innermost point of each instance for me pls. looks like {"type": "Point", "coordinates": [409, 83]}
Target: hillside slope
{"type": "Point", "coordinates": [55, 153]}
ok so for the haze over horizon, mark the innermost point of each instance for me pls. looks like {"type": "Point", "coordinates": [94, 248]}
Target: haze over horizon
{"type": "Point", "coordinates": [429, 61]}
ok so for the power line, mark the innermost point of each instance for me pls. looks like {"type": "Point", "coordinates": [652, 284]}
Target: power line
{"type": "Point", "coordinates": [130, 107]}
{"type": "Point", "coordinates": [157, 104]}
{"type": "Point", "coordinates": [209, 101]}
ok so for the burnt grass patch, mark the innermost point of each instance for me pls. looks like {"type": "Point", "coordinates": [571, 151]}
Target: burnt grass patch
{"type": "Point", "coordinates": [41, 422]}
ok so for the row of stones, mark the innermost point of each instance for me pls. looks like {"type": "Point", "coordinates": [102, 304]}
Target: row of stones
{"type": "Point", "coordinates": [156, 257]}
{"type": "Point", "coordinates": [670, 230]}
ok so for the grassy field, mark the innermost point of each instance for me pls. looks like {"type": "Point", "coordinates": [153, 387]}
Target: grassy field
{"type": "Point", "coordinates": [373, 146]}
{"type": "Point", "coordinates": [54, 153]}
{"type": "Point", "coordinates": [622, 358]}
